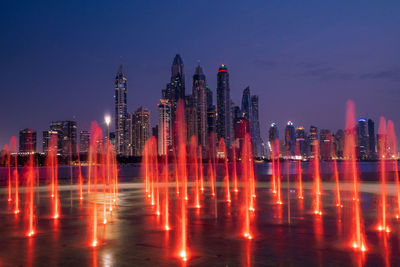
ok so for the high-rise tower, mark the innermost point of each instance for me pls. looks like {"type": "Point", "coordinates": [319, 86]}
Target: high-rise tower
{"type": "Point", "coordinates": [199, 95]}
{"type": "Point", "coordinates": [176, 87]}
{"type": "Point", "coordinates": [224, 118]}
{"type": "Point", "coordinates": [121, 112]}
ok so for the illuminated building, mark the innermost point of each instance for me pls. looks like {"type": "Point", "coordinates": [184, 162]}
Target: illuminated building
{"type": "Point", "coordinates": [224, 113]}
{"type": "Point", "coordinates": [27, 141]}
{"type": "Point", "coordinates": [121, 113]}
{"type": "Point", "coordinates": [141, 130]}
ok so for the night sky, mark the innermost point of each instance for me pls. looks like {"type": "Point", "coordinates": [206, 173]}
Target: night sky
{"type": "Point", "coordinates": [304, 59]}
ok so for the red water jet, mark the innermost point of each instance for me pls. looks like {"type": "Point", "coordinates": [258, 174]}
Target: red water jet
{"type": "Point", "coordinates": [195, 170]}
{"type": "Point", "coordinates": [317, 205]}
{"type": "Point", "coordinates": [247, 196]}
{"type": "Point", "coordinates": [52, 171]}
{"type": "Point", "coordinates": [357, 236]}
{"type": "Point", "coordinates": [392, 143]}
{"type": "Point", "coordinates": [278, 173]}
{"type": "Point", "coordinates": [222, 150]}
{"type": "Point", "coordinates": [13, 149]}
{"type": "Point", "coordinates": [299, 174]}
{"type": "Point", "coordinates": [234, 170]}
{"type": "Point", "coordinates": [382, 146]}
{"type": "Point", "coordinates": [94, 160]}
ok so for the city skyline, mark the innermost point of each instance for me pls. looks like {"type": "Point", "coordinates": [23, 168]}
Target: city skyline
{"type": "Point", "coordinates": [281, 63]}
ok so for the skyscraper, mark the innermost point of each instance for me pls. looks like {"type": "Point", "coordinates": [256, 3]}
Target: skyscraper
{"type": "Point", "coordinates": [84, 141]}
{"type": "Point", "coordinates": [164, 127]}
{"type": "Point", "coordinates": [224, 116]}
{"type": "Point", "coordinates": [362, 138]}
{"type": "Point", "coordinates": [246, 105]}
{"type": "Point", "coordinates": [325, 143]}
{"type": "Point", "coordinates": [301, 141]}
{"type": "Point", "coordinates": [371, 139]}
{"type": "Point", "coordinates": [339, 143]}
{"type": "Point", "coordinates": [141, 130]}
{"type": "Point", "coordinates": [66, 136]}
{"type": "Point", "coordinates": [27, 141]}
{"type": "Point", "coordinates": [129, 134]}
{"type": "Point", "coordinates": [121, 112]}
{"type": "Point", "coordinates": [46, 137]}
{"type": "Point", "coordinates": [200, 96]}
{"type": "Point", "coordinates": [255, 128]}
{"type": "Point", "coordinates": [290, 139]}
{"type": "Point", "coordinates": [273, 137]}
{"type": "Point", "coordinates": [313, 139]}
{"type": "Point", "coordinates": [176, 87]}
{"type": "Point", "coordinates": [190, 117]}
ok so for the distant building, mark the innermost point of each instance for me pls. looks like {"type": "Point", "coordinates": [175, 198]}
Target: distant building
{"type": "Point", "coordinates": [246, 104]}
{"type": "Point", "coordinates": [175, 89]}
{"type": "Point", "coordinates": [371, 140]}
{"type": "Point", "coordinates": [313, 139]}
{"type": "Point", "coordinates": [46, 140]}
{"type": "Point", "coordinates": [200, 96]}
{"type": "Point", "coordinates": [164, 127]}
{"type": "Point", "coordinates": [66, 136]}
{"type": "Point", "coordinates": [190, 118]}
{"type": "Point", "coordinates": [27, 141]}
{"type": "Point", "coordinates": [129, 134]}
{"type": "Point", "coordinates": [301, 141]}
{"type": "Point", "coordinates": [255, 128]}
{"type": "Point", "coordinates": [290, 139]}
{"type": "Point", "coordinates": [121, 113]}
{"type": "Point", "coordinates": [141, 130]}
{"type": "Point", "coordinates": [84, 141]}
{"type": "Point", "coordinates": [273, 137]}
{"type": "Point", "coordinates": [339, 143]}
{"type": "Point", "coordinates": [325, 143]}
{"type": "Point", "coordinates": [224, 113]}
{"type": "Point", "coordinates": [362, 139]}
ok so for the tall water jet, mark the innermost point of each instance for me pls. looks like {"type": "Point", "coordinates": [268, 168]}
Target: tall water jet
{"type": "Point", "coordinates": [195, 170]}
{"type": "Point", "coordinates": [299, 173]}
{"type": "Point", "coordinates": [273, 168]}
{"type": "Point", "coordinates": [317, 205]}
{"type": "Point", "coordinates": [80, 177]}
{"type": "Point", "coordinates": [382, 147]}
{"type": "Point", "coordinates": [52, 170]}
{"type": "Point", "coordinates": [356, 230]}
{"type": "Point", "coordinates": [166, 194]}
{"type": "Point", "coordinates": [30, 197]}
{"type": "Point", "coordinates": [278, 173]}
{"type": "Point", "coordinates": [201, 169]}
{"type": "Point", "coordinates": [7, 162]}
{"type": "Point", "coordinates": [145, 164]}
{"type": "Point", "coordinates": [392, 143]}
{"type": "Point", "coordinates": [222, 150]}
{"type": "Point", "coordinates": [182, 173]}
{"type": "Point", "coordinates": [94, 160]}
{"type": "Point", "coordinates": [155, 174]}
{"type": "Point", "coordinates": [247, 195]}
{"type": "Point", "coordinates": [13, 149]}
{"type": "Point", "coordinates": [234, 170]}
{"type": "Point", "coordinates": [336, 174]}
{"type": "Point", "coordinates": [211, 164]}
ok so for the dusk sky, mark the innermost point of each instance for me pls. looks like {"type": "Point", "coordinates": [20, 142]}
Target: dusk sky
{"type": "Point", "coordinates": [303, 58]}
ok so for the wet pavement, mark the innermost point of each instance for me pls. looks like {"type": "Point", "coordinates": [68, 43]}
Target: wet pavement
{"type": "Point", "coordinates": [134, 235]}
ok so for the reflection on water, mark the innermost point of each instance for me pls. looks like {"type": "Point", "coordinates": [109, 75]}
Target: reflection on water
{"type": "Point", "coordinates": [135, 234]}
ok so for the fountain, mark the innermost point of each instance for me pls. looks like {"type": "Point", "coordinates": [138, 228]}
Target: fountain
{"type": "Point", "coordinates": [195, 170]}
{"type": "Point", "coordinates": [52, 170]}
{"type": "Point", "coordinates": [355, 223]}
{"type": "Point", "coordinates": [234, 170]}
{"type": "Point", "coordinates": [382, 147]}
{"type": "Point", "coordinates": [317, 205]}
{"type": "Point", "coordinates": [13, 149]}
{"type": "Point", "coordinates": [247, 196]}
{"type": "Point", "coordinates": [222, 150]}
{"type": "Point", "coordinates": [392, 143]}
{"type": "Point", "coordinates": [94, 161]}
{"type": "Point", "coordinates": [299, 174]}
